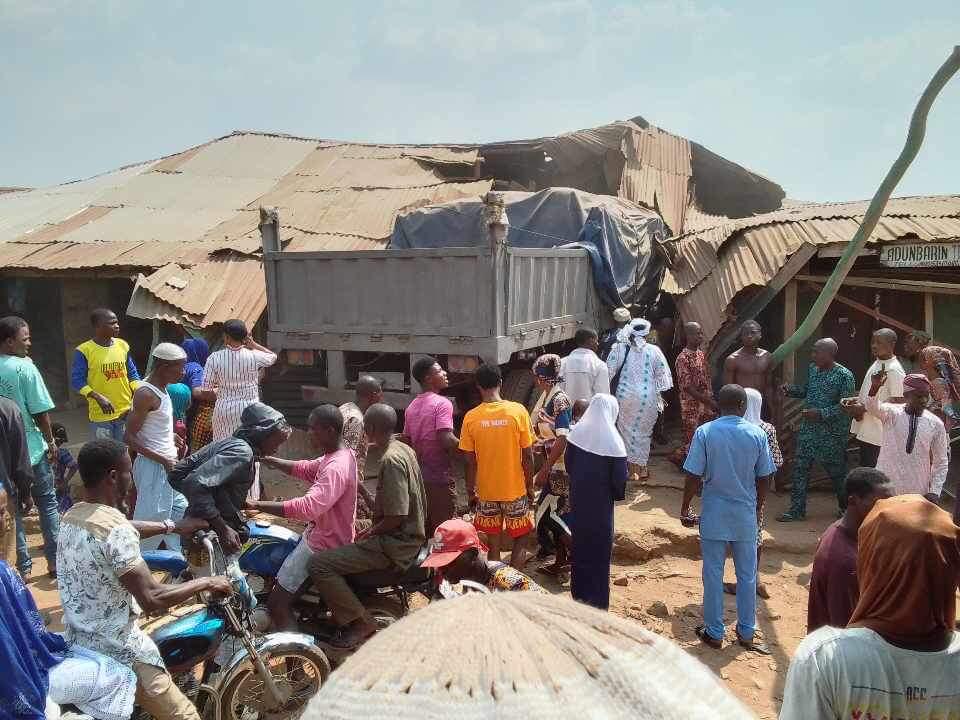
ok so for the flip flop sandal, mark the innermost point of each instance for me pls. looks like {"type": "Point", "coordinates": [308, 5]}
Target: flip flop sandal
{"type": "Point", "coordinates": [752, 645]}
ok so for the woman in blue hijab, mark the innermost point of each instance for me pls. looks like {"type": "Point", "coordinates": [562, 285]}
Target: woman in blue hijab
{"type": "Point", "coordinates": [201, 433]}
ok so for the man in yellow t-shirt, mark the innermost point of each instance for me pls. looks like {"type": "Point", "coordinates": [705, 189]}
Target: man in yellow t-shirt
{"type": "Point", "coordinates": [105, 374]}
{"type": "Point", "coordinates": [497, 440]}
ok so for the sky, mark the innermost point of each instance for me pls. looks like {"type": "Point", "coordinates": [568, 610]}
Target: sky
{"type": "Point", "coordinates": [815, 95]}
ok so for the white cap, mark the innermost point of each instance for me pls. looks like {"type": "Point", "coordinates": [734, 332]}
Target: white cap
{"type": "Point", "coordinates": [169, 351]}
{"type": "Point", "coordinates": [622, 315]}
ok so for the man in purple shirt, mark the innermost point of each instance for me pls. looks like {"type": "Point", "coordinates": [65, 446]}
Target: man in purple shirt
{"type": "Point", "coordinates": [428, 429]}
{"type": "Point", "coordinates": [834, 590]}
{"type": "Point", "coordinates": [328, 507]}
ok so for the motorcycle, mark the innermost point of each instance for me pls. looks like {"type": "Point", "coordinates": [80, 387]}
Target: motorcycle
{"type": "Point", "coordinates": [274, 674]}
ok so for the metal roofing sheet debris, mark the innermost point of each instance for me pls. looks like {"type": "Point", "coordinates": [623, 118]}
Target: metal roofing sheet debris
{"type": "Point", "coordinates": [248, 155]}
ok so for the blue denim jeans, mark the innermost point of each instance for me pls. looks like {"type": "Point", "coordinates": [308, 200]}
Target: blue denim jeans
{"type": "Point", "coordinates": [745, 562]}
{"type": "Point", "coordinates": [111, 429]}
{"type": "Point", "coordinates": [45, 500]}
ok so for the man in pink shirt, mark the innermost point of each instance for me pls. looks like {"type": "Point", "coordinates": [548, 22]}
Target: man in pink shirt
{"type": "Point", "coordinates": [428, 429]}
{"type": "Point", "coordinates": [329, 507]}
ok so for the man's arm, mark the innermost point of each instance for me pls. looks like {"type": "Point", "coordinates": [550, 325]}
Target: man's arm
{"type": "Point", "coordinates": [940, 461]}
{"type": "Point", "coordinates": [601, 380]}
{"type": "Point", "coordinates": [144, 401]}
{"type": "Point", "coordinates": [762, 484]}
{"type": "Point", "coordinates": [847, 389]}
{"type": "Point", "coordinates": [690, 486]}
{"type": "Point", "coordinates": [284, 466]}
{"type": "Point", "coordinates": [133, 375]}
{"type": "Point", "coordinates": [321, 496]}
{"type": "Point", "coordinates": [447, 440]}
{"type": "Point", "coordinates": [20, 469]}
{"type": "Point", "coordinates": [155, 597]}
{"type": "Point", "coordinates": [729, 370]}
{"type": "Point", "coordinates": [184, 527]}
{"type": "Point", "coordinates": [526, 459]}
{"type": "Point", "coordinates": [470, 476]}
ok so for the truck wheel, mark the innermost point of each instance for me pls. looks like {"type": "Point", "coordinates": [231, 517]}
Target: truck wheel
{"type": "Point", "coordinates": [518, 386]}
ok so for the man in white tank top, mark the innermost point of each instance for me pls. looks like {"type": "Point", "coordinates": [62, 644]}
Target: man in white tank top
{"type": "Point", "coordinates": [149, 433]}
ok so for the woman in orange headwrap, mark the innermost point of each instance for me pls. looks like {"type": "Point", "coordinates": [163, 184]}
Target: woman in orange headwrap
{"type": "Point", "coordinates": [900, 654]}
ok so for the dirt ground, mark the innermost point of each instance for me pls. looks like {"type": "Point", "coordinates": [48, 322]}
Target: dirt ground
{"type": "Point", "coordinates": [656, 560]}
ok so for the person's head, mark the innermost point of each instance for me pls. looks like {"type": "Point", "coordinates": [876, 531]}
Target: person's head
{"type": "Point", "coordinates": [751, 334]}
{"type": "Point", "coordinates": [263, 428]}
{"type": "Point", "coordinates": [732, 400]}
{"type": "Point", "coordinates": [915, 342]}
{"type": "Point", "coordinates": [59, 434]}
{"type": "Point", "coordinates": [864, 486]}
{"type": "Point", "coordinates": [379, 423]}
{"type": "Point", "coordinates": [14, 336]}
{"type": "Point", "coordinates": [908, 568]}
{"type": "Point", "coordinates": [579, 408]}
{"type": "Point", "coordinates": [546, 371]}
{"type": "Point", "coordinates": [454, 550]}
{"type": "Point", "coordinates": [634, 331]}
{"type": "Point", "coordinates": [168, 363]}
{"type": "Point", "coordinates": [916, 392]}
{"type": "Point", "coordinates": [693, 334]}
{"type": "Point", "coordinates": [523, 654]}
{"type": "Point", "coordinates": [369, 391]}
{"type": "Point", "coordinates": [824, 353]}
{"type": "Point", "coordinates": [106, 470]}
{"type": "Point", "coordinates": [488, 379]}
{"type": "Point", "coordinates": [105, 323]}
{"type": "Point", "coordinates": [587, 339]}
{"type": "Point", "coordinates": [197, 350]}
{"type": "Point", "coordinates": [883, 343]}
{"type": "Point", "coordinates": [235, 332]}
{"type": "Point", "coordinates": [428, 373]}
{"type": "Point", "coordinates": [621, 316]}
{"type": "Point", "coordinates": [325, 424]}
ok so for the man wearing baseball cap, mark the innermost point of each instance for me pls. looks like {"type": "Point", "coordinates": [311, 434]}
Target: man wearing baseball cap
{"type": "Point", "coordinates": [149, 433]}
{"type": "Point", "coordinates": [457, 554]}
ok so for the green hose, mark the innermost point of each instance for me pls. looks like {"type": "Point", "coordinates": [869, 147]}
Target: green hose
{"type": "Point", "coordinates": [918, 127]}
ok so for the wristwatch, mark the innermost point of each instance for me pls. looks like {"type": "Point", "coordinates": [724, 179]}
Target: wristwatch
{"type": "Point", "coordinates": [169, 526]}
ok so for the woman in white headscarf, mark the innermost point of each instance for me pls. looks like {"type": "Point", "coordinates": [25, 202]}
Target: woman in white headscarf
{"type": "Point", "coordinates": [752, 415]}
{"type": "Point", "coordinates": [639, 372]}
{"type": "Point", "coordinates": [596, 462]}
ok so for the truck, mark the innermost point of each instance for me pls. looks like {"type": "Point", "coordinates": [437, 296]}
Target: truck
{"type": "Point", "coordinates": [336, 315]}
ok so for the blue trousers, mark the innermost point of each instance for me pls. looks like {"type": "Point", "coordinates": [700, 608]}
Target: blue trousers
{"type": "Point", "coordinates": [745, 562]}
{"type": "Point", "coordinates": [108, 429]}
{"type": "Point", "coordinates": [45, 498]}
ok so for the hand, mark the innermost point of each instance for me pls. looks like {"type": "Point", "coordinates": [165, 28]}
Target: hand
{"type": "Point", "coordinates": [219, 585]}
{"type": "Point", "coordinates": [105, 405]}
{"type": "Point", "coordinates": [180, 443]}
{"type": "Point", "coordinates": [877, 380]}
{"type": "Point", "coordinates": [932, 497]}
{"type": "Point", "coordinates": [188, 526]}
{"type": "Point", "coordinates": [811, 415]}
{"type": "Point", "coordinates": [26, 503]}
{"type": "Point", "coordinates": [229, 539]}
{"type": "Point", "coordinates": [248, 341]}
{"type": "Point", "coordinates": [169, 464]}
{"type": "Point", "coordinates": [52, 456]}
{"type": "Point", "coordinates": [252, 505]}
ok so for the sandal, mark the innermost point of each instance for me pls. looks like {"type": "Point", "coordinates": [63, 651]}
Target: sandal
{"type": "Point", "coordinates": [707, 639]}
{"type": "Point", "coordinates": [792, 517]}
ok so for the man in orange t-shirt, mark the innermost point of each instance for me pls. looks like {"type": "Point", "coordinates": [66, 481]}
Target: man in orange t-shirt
{"type": "Point", "coordinates": [497, 440]}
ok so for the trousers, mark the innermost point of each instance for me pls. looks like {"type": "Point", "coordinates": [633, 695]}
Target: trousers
{"type": "Point", "coordinates": [160, 697]}
{"type": "Point", "coordinates": [714, 554]}
{"type": "Point", "coordinates": [329, 568]}
{"type": "Point", "coordinates": [835, 467]}
{"type": "Point", "coordinates": [45, 499]}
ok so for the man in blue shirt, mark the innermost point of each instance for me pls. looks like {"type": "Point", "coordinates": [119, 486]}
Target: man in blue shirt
{"type": "Point", "coordinates": [731, 458]}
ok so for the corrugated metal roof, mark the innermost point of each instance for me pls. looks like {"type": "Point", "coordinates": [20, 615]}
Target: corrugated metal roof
{"type": "Point", "coordinates": [716, 264]}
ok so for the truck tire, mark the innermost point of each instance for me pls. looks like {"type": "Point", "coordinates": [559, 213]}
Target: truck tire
{"type": "Point", "coordinates": [518, 386]}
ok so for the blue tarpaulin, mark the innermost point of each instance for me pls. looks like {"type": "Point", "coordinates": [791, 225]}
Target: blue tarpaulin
{"type": "Point", "coordinates": [621, 238]}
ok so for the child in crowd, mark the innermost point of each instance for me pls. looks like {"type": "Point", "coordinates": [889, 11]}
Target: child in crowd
{"type": "Point", "coordinates": [65, 470]}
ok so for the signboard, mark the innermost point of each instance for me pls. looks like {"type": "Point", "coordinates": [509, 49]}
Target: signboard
{"type": "Point", "coordinates": [921, 255]}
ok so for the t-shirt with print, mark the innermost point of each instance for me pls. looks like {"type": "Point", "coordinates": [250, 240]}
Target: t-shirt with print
{"type": "Point", "coordinates": [854, 673]}
{"type": "Point", "coordinates": [504, 577]}
{"type": "Point", "coordinates": [400, 492]}
{"type": "Point", "coordinates": [497, 432]}
{"type": "Point", "coordinates": [21, 382]}
{"type": "Point", "coordinates": [109, 371]}
{"type": "Point", "coordinates": [97, 546]}
{"type": "Point", "coordinates": [428, 414]}
{"type": "Point", "coordinates": [870, 429]}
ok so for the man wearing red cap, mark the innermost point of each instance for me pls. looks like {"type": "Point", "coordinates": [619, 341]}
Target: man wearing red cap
{"type": "Point", "coordinates": [915, 453]}
{"type": "Point", "coordinates": [458, 554]}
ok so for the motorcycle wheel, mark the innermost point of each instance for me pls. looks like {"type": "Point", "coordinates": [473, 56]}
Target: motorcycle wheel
{"type": "Point", "coordinates": [302, 671]}
{"type": "Point", "coordinates": [385, 611]}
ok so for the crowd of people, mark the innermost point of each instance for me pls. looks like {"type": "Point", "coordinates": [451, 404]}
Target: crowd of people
{"type": "Point", "coordinates": [181, 448]}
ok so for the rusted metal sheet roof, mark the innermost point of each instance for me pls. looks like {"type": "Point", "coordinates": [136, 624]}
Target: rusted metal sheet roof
{"type": "Point", "coordinates": [716, 264]}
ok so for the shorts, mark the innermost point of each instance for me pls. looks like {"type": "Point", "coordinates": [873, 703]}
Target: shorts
{"type": "Point", "coordinates": [513, 517]}
{"type": "Point", "coordinates": [296, 568]}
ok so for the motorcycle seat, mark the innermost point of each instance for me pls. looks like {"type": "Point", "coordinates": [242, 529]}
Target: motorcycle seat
{"type": "Point", "coordinates": [374, 579]}
{"type": "Point", "coordinates": [165, 561]}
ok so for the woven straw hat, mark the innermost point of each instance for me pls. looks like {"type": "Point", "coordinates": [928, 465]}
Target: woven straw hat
{"type": "Point", "coordinates": [520, 655]}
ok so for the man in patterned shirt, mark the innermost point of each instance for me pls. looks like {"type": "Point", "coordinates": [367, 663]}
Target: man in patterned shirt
{"type": "Point", "coordinates": [697, 405]}
{"type": "Point", "coordinates": [104, 581]}
{"type": "Point", "coordinates": [824, 429]}
{"type": "Point", "coordinates": [368, 392]}
{"type": "Point", "coordinates": [458, 554]}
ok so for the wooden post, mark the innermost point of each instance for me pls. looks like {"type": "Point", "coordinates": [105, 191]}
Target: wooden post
{"type": "Point", "coordinates": [928, 313]}
{"type": "Point", "coordinates": [270, 229]}
{"type": "Point", "coordinates": [789, 327]}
